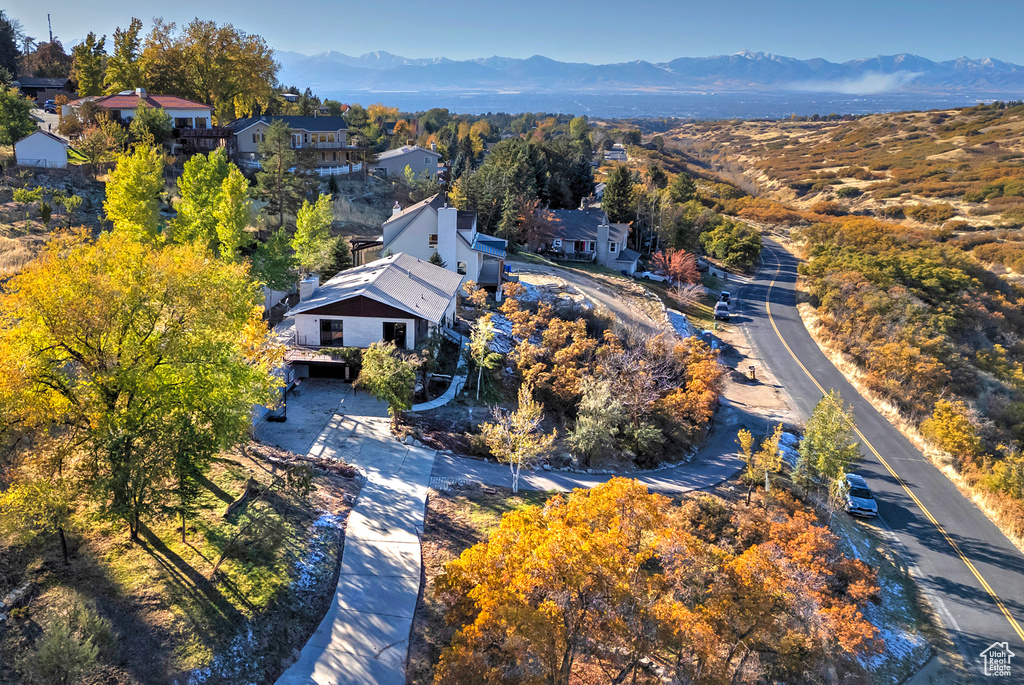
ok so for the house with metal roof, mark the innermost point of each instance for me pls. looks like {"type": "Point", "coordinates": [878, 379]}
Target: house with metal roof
{"type": "Point", "coordinates": [586, 235]}
{"type": "Point", "coordinates": [422, 161]}
{"type": "Point", "coordinates": [42, 89]}
{"type": "Point", "coordinates": [433, 227]}
{"type": "Point", "coordinates": [398, 299]}
{"type": "Point", "coordinates": [325, 137]}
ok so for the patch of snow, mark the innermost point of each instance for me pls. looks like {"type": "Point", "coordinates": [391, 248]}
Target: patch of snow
{"type": "Point", "coordinates": [502, 342]}
{"type": "Point", "coordinates": [788, 444]}
{"type": "Point", "coordinates": [680, 323]}
{"type": "Point", "coordinates": [900, 645]}
{"type": "Point", "coordinates": [310, 568]}
{"type": "Point", "coordinates": [532, 293]}
{"type": "Point", "coordinates": [231, 664]}
{"type": "Point", "coordinates": [327, 520]}
{"type": "Point", "coordinates": [791, 440]}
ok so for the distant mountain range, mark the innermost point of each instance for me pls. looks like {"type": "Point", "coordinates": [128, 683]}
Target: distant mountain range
{"type": "Point", "coordinates": [333, 74]}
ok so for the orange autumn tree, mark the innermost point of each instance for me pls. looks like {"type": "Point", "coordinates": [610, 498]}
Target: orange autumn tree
{"type": "Point", "coordinates": [679, 265]}
{"type": "Point", "coordinates": [604, 580]}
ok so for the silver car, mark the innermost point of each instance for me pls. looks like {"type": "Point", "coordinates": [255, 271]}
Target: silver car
{"type": "Point", "coordinates": [859, 500]}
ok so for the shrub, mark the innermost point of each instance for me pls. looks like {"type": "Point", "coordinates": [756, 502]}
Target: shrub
{"type": "Point", "coordinates": [848, 191]}
{"type": "Point", "coordinates": [26, 197]}
{"type": "Point", "coordinates": [828, 208]}
{"type": "Point", "coordinates": [74, 638]}
{"type": "Point", "coordinates": [890, 212]}
{"type": "Point", "coordinates": [931, 214]}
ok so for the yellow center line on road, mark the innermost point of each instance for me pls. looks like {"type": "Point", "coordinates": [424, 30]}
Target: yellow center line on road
{"type": "Point", "coordinates": [952, 543]}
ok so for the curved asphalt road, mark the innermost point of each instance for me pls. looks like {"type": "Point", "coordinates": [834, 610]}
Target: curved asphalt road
{"type": "Point", "coordinates": [973, 575]}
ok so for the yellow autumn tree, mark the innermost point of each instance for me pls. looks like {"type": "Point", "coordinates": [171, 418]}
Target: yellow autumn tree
{"type": "Point", "coordinates": [153, 356]}
{"type": "Point", "coordinates": [952, 430]}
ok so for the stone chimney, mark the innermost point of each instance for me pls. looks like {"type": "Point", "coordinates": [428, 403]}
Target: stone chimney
{"type": "Point", "coordinates": [396, 210]}
{"type": "Point", "coordinates": [602, 242]}
{"type": "Point", "coordinates": [307, 287]}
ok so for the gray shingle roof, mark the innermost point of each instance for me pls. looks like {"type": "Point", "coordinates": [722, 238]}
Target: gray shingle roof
{"type": "Point", "coordinates": [434, 201]}
{"type": "Point", "coordinates": [299, 123]}
{"type": "Point", "coordinates": [628, 256]}
{"type": "Point", "coordinates": [404, 150]}
{"type": "Point", "coordinates": [413, 285]}
{"type": "Point", "coordinates": [581, 224]}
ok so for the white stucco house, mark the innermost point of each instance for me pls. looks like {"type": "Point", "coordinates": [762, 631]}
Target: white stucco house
{"type": "Point", "coordinates": [431, 226]}
{"type": "Point", "coordinates": [42, 149]}
{"type": "Point", "coordinates": [184, 113]}
{"type": "Point", "coordinates": [587, 235]}
{"type": "Point", "coordinates": [396, 299]}
{"type": "Point", "coordinates": [422, 161]}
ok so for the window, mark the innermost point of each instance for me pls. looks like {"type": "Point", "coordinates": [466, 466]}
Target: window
{"type": "Point", "coordinates": [461, 268]}
{"type": "Point", "coordinates": [395, 332]}
{"type": "Point", "coordinates": [331, 333]}
{"type": "Point", "coordinates": [426, 160]}
{"type": "Point", "coordinates": [255, 137]}
{"type": "Point", "coordinates": [305, 137]}
{"type": "Point", "coordinates": [612, 247]}
{"type": "Point", "coordinates": [200, 122]}
{"type": "Point", "coordinates": [432, 240]}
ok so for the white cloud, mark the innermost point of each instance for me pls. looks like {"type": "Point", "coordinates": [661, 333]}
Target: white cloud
{"type": "Point", "coordinates": [868, 83]}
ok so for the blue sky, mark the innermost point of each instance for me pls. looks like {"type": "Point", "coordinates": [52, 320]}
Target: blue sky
{"type": "Point", "coordinates": [597, 31]}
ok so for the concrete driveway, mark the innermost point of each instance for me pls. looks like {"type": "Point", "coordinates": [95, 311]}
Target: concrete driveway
{"type": "Point", "coordinates": [364, 638]}
{"type": "Point", "coordinates": [311, 404]}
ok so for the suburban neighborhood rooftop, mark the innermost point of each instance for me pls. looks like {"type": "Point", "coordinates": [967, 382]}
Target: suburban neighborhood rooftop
{"type": "Point", "coordinates": [404, 150]}
{"type": "Point", "coordinates": [581, 224]}
{"type": "Point", "coordinates": [401, 280]}
{"type": "Point", "coordinates": [131, 100]}
{"type": "Point", "coordinates": [301, 123]}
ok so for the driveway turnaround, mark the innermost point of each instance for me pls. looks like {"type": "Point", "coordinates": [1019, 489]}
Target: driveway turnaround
{"type": "Point", "coordinates": [364, 638]}
{"type": "Point", "coordinates": [717, 462]}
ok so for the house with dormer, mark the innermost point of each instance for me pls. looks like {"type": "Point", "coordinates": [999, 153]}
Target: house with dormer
{"type": "Point", "coordinates": [433, 227]}
{"type": "Point", "coordinates": [398, 299]}
{"type": "Point", "coordinates": [586, 235]}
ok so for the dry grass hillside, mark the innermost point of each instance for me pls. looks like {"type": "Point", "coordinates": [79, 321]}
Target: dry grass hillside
{"type": "Point", "coordinates": [931, 168]}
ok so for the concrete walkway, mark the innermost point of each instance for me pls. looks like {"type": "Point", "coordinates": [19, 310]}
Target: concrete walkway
{"type": "Point", "coordinates": [454, 388]}
{"type": "Point", "coordinates": [364, 638]}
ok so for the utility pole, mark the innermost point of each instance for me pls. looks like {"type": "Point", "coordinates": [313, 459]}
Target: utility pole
{"type": "Point", "coordinates": [49, 25]}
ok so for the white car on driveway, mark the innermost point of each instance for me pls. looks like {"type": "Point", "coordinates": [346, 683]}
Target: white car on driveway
{"type": "Point", "coordinates": [651, 276]}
